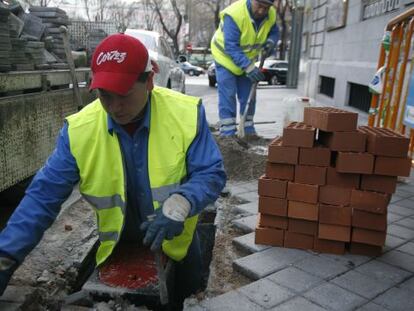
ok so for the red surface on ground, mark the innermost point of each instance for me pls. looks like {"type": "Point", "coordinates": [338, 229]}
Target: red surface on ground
{"type": "Point", "coordinates": [130, 267]}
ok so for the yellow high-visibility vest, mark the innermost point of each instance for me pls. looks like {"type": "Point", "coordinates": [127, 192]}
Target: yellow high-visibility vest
{"type": "Point", "coordinates": [250, 41]}
{"type": "Point", "coordinates": [173, 127]}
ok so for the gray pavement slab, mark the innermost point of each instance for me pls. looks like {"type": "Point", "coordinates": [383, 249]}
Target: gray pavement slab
{"type": "Point", "coordinates": [404, 193]}
{"type": "Point", "coordinates": [246, 224]}
{"type": "Point", "coordinates": [298, 304]}
{"type": "Point", "coordinates": [395, 198]}
{"type": "Point", "coordinates": [399, 259]}
{"type": "Point", "coordinates": [407, 222]}
{"type": "Point", "coordinates": [401, 232]}
{"type": "Point", "coordinates": [266, 293]}
{"type": "Point", "coordinates": [334, 297]}
{"type": "Point", "coordinates": [254, 185]}
{"type": "Point", "coordinates": [391, 217]}
{"type": "Point", "coordinates": [407, 248]}
{"type": "Point", "coordinates": [251, 196]}
{"type": "Point", "coordinates": [246, 242]}
{"type": "Point", "coordinates": [370, 306]}
{"type": "Point", "coordinates": [238, 189]}
{"type": "Point", "coordinates": [230, 301]}
{"type": "Point", "coordinates": [393, 242]}
{"type": "Point", "coordinates": [321, 267]}
{"type": "Point", "coordinates": [408, 203]}
{"type": "Point", "coordinates": [349, 260]}
{"type": "Point", "coordinates": [362, 284]}
{"type": "Point", "coordinates": [295, 279]}
{"type": "Point", "coordinates": [259, 265]}
{"type": "Point", "coordinates": [194, 308]}
{"type": "Point", "coordinates": [408, 285]}
{"type": "Point", "coordinates": [381, 270]}
{"type": "Point", "coordinates": [396, 299]}
{"type": "Point", "coordinates": [400, 210]}
{"type": "Point", "coordinates": [247, 208]}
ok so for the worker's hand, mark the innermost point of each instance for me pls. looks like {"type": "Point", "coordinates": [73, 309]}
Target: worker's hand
{"type": "Point", "coordinates": [254, 73]}
{"type": "Point", "coordinates": [7, 267]}
{"type": "Point", "coordinates": [268, 48]}
{"type": "Point", "coordinates": [168, 223]}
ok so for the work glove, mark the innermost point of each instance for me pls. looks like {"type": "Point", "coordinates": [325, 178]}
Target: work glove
{"type": "Point", "coordinates": [168, 222]}
{"type": "Point", "coordinates": [254, 73]}
{"type": "Point", "coordinates": [268, 48]}
{"type": "Point", "coordinates": [7, 267]}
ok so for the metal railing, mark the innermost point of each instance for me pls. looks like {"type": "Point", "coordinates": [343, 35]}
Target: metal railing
{"type": "Point", "coordinates": [388, 108]}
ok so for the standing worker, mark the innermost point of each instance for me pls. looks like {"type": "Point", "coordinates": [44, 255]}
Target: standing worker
{"type": "Point", "coordinates": [246, 27]}
{"type": "Point", "coordinates": [135, 151]}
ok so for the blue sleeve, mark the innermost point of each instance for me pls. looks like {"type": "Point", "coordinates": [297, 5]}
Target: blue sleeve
{"type": "Point", "coordinates": [232, 43]}
{"type": "Point", "coordinates": [39, 208]}
{"type": "Point", "coordinates": [274, 34]}
{"type": "Point", "coordinates": [205, 173]}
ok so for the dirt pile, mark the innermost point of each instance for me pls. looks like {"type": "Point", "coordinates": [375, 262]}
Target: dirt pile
{"type": "Point", "coordinates": [243, 161]}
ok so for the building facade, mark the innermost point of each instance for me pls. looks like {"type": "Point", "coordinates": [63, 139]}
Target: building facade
{"type": "Point", "coordinates": [340, 48]}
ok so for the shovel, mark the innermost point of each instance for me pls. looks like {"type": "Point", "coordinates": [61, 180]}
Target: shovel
{"type": "Point", "coordinates": [252, 96]}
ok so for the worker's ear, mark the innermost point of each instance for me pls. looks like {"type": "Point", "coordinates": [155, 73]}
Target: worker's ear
{"type": "Point", "coordinates": [150, 81]}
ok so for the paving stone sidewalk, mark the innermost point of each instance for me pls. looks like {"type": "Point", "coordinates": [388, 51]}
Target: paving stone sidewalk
{"type": "Point", "coordinates": [295, 280]}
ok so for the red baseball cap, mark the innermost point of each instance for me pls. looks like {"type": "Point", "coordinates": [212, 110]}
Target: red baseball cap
{"type": "Point", "coordinates": [117, 63]}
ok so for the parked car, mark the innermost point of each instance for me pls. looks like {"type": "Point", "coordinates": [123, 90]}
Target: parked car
{"type": "Point", "coordinates": [170, 75]}
{"type": "Point", "coordinates": [211, 72]}
{"type": "Point", "coordinates": [191, 69]}
{"type": "Point", "coordinates": [275, 71]}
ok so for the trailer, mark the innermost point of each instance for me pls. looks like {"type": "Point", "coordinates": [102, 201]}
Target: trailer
{"type": "Point", "coordinates": [33, 105]}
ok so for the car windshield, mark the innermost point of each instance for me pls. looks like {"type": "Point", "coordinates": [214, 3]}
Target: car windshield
{"type": "Point", "coordinates": [149, 41]}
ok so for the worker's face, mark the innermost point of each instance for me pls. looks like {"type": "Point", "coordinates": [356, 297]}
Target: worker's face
{"type": "Point", "coordinates": [124, 109]}
{"type": "Point", "coordinates": [259, 10]}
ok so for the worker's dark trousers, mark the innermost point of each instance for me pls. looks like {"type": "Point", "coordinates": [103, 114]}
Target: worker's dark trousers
{"type": "Point", "coordinates": [187, 276]}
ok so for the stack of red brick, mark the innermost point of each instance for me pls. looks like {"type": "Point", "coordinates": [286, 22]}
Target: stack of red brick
{"type": "Point", "coordinates": [328, 184]}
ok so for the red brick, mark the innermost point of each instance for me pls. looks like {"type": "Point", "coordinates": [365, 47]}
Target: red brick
{"type": "Point", "coordinates": [298, 134]}
{"type": "Point", "coordinates": [333, 195]}
{"type": "Point", "coordinates": [282, 154]}
{"type": "Point", "coordinates": [280, 171]}
{"type": "Point", "coordinates": [302, 192]}
{"type": "Point", "coordinates": [302, 210]}
{"type": "Point", "coordinates": [392, 166]}
{"type": "Point", "coordinates": [366, 220]}
{"type": "Point", "coordinates": [317, 156]}
{"type": "Point", "coordinates": [303, 226]}
{"type": "Point", "coordinates": [354, 141]}
{"type": "Point", "coordinates": [269, 236]}
{"type": "Point", "coordinates": [353, 162]}
{"type": "Point", "coordinates": [272, 187]}
{"type": "Point", "coordinates": [365, 249]}
{"type": "Point", "coordinates": [334, 232]}
{"type": "Point", "coordinates": [379, 183]}
{"type": "Point", "coordinates": [335, 215]}
{"type": "Point", "coordinates": [331, 119]}
{"type": "Point", "coordinates": [370, 237]}
{"type": "Point", "coordinates": [328, 246]}
{"type": "Point", "coordinates": [298, 240]}
{"type": "Point", "coordinates": [385, 142]}
{"type": "Point", "coordinates": [369, 201]}
{"type": "Point", "coordinates": [341, 179]}
{"type": "Point", "coordinates": [273, 206]}
{"type": "Point", "coordinates": [271, 221]}
{"type": "Point", "coordinates": [313, 175]}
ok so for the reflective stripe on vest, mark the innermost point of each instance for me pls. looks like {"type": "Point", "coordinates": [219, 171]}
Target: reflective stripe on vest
{"type": "Point", "coordinates": [250, 40]}
{"type": "Point", "coordinates": [173, 126]}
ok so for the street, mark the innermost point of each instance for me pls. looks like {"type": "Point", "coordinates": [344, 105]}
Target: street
{"type": "Point", "coordinates": [275, 104]}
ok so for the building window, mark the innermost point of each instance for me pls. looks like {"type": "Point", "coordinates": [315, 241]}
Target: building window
{"type": "Point", "coordinates": [327, 86]}
{"type": "Point", "coordinates": [359, 96]}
